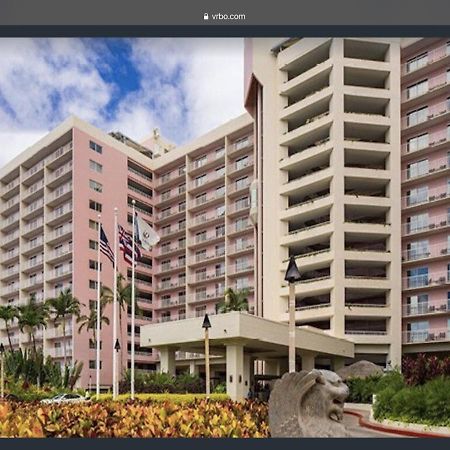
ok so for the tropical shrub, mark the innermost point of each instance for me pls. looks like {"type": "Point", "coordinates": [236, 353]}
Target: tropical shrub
{"type": "Point", "coordinates": [155, 382]}
{"type": "Point", "coordinates": [201, 418]}
{"type": "Point", "coordinates": [426, 404]}
{"type": "Point", "coordinates": [175, 398]}
{"type": "Point", "coordinates": [362, 389]}
{"type": "Point", "coordinates": [422, 368]}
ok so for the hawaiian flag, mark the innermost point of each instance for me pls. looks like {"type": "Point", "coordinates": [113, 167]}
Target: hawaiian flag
{"type": "Point", "coordinates": [126, 246]}
{"type": "Point", "coordinates": [104, 246]}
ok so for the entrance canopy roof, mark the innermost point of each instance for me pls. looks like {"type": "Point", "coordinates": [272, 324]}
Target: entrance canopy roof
{"type": "Point", "coordinates": [260, 337]}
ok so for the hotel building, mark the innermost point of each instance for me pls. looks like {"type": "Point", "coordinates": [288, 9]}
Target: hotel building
{"type": "Point", "coordinates": [425, 97]}
{"type": "Point", "coordinates": [327, 137]}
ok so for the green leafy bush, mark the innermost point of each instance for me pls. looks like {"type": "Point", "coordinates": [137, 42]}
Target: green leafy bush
{"type": "Point", "coordinates": [426, 404]}
{"type": "Point", "coordinates": [362, 389]}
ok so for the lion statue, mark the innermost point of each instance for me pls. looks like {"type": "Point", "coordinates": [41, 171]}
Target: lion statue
{"type": "Point", "coordinates": [308, 404]}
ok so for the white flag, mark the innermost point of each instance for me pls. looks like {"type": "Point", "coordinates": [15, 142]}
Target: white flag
{"type": "Point", "coordinates": [146, 236]}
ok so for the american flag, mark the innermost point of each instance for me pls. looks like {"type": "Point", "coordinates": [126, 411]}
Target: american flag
{"type": "Point", "coordinates": [126, 246]}
{"type": "Point", "coordinates": [104, 246]}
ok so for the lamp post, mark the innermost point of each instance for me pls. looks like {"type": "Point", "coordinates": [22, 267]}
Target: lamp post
{"type": "Point", "coordinates": [292, 276]}
{"type": "Point", "coordinates": [117, 350]}
{"type": "Point", "coordinates": [206, 326]}
{"type": "Point", "coordinates": [2, 371]}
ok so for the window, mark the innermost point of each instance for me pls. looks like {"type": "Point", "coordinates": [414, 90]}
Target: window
{"type": "Point", "coordinates": [94, 265]}
{"type": "Point", "coordinates": [93, 225]}
{"type": "Point", "coordinates": [220, 211]}
{"type": "Point", "coordinates": [417, 222]}
{"type": "Point", "coordinates": [220, 230]}
{"type": "Point", "coordinates": [92, 284]}
{"type": "Point", "coordinates": [220, 249]}
{"type": "Point", "coordinates": [97, 148]}
{"type": "Point", "coordinates": [201, 180]}
{"type": "Point", "coordinates": [417, 304]}
{"type": "Point", "coordinates": [199, 162]}
{"type": "Point", "coordinates": [93, 365]}
{"type": "Point", "coordinates": [200, 199]}
{"type": "Point", "coordinates": [417, 116]}
{"type": "Point", "coordinates": [182, 243]}
{"type": "Point", "coordinates": [242, 162]}
{"type": "Point", "coordinates": [182, 206]}
{"type": "Point", "coordinates": [93, 344]}
{"type": "Point", "coordinates": [95, 206]}
{"type": "Point", "coordinates": [417, 277]}
{"type": "Point", "coordinates": [200, 311]}
{"type": "Point", "coordinates": [165, 195]}
{"type": "Point", "coordinates": [95, 166]}
{"type": "Point", "coordinates": [220, 152]}
{"type": "Point", "coordinates": [241, 183]}
{"type": "Point", "coordinates": [182, 188]}
{"type": "Point", "coordinates": [418, 249]}
{"type": "Point", "coordinates": [200, 255]}
{"type": "Point", "coordinates": [418, 142]}
{"type": "Point", "coordinates": [97, 187]}
{"type": "Point", "coordinates": [242, 283]}
{"type": "Point", "coordinates": [418, 331]}
{"type": "Point", "coordinates": [220, 172]}
{"type": "Point", "coordinates": [417, 89]}
{"type": "Point", "coordinates": [417, 62]}
{"type": "Point", "coordinates": [93, 245]}
{"type": "Point", "coordinates": [417, 169]}
{"type": "Point", "coordinates": [417, 195]}
{"type": "Point", "coordinates": [220, 269]}
{"type": "Point", "coordinates": [241, 223]}
{"type": "Point", "coordinates": [220, 191]}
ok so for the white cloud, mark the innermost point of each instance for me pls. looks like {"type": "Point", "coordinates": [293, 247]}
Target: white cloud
{"type": "Point", "coordinates": [186, 87]}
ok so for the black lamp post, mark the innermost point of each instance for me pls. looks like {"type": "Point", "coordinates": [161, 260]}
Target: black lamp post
{"type": "Point", "coordinates": [2, 370]}
{"type": "Point", "coordinates": [206, 326]}
{"type": "Point", "coordinates": [292, 276]}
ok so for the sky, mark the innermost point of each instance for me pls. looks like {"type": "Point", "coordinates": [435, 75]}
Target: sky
{"type": "Point", "coordinates": [183, 86]}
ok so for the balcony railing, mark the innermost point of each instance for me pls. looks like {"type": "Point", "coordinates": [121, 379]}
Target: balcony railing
{"type": "Point", "coordinates": [208, 198]}
{"type": "Point", "coordinates": [199, 220]}
{"type": "Point", "coordinates": [206, 296]}
{"type": "Point", "coordinates": [435, 82]}
{"type": "Point", "coordinates": [207, 159]}
{"type": "Point", "coordinates": [235, 187]}
{"type": "Point", "coordinates": [426, 336]}
{"type": "Point", "coordinates": [10, 254]}
{"type": "Point", "coordinates": [166, 250]}
{"type": "Point", "coordinates": [430, 251]}
{"type": "Point", "coordinates": [210, 177]}
{"type": "Point", "coordinates": [241, 144]}
{"type": "Point", "coordinates": [433, 111]}
{"type": "Point", "coordinates": [426, 280]}
{"type": "Point", "coordinates": [238, 207]}
{"type": "Point", "coordinates": [366, 332]}
{"type": "Point", "coordinates": [60, 231]}
{"type": "Point", "coordinates": [426, 141]}
{"type": "Point", "coordinates": [424, 197]}
{"type": "Point", "coordinates": [423, 170]}
{"type": "Point", "coordinates": [34, 206]}
{"type": "Point", "coordinates": [181, 172]}
{"type": "Point", "coordinates": [200, 277]}
{"type": "Point", "coordinates": [431, 57]}
{"type": "Point", "coordinates": [425, 308]}
{"type": "Point", "coordinates": [171, 284]}
{"type": "Point", "coordinates": [34, 243]}
{"type": "Point", "coordinates": [139, 174]}
{"type": "Point", "coordinates": [67, 208]}
{"type": "Point", "coordinates": [11, 202]}
{"type": "Point", "coordinates": [426, 225]}
{"type": "Point", "coordinates": [11, 185]}
{"type": "Point", "coordinates": [239, 165]}
{"type": "Point", "coordinates": [10, 237]}
{"type": "Point", "coordinates": [236, 269]}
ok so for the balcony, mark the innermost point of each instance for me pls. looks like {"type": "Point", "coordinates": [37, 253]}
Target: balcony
{"type": "Point", "coordinates": [57, 333]}
{"type": "Point", "coordinates": [170, 267]}
{"type": "Point", "coordinates": [34, 191]}
{"type": "Point", "coordinates": [60, 194]}
{"type": "Point", "coordinates": [240, 167]}
{"type": "Point", "coordinates": [10, 206]}
{"type": "Point", "coordinates": [204, 201]}
{"type": "Point", "coordinates": [204, 277]}
{"type": "Point", "coordinates": [209, 160]}
{"type": "Point", "coordinates": [239, 207]}
{"type": "Point", "coordinates": [10, 238]}
{"type": "Point", "coordinates": [420, 64]}
{"type": "Point", "coordinates": [165, 304]}
{"type": "Point", "coordinates": [176, 176]}
{"type": "Point", "coordinates": [33, 246]}
{"type": "Point", "coordinates": [139, 174]}
{"type": "Point", "coordinates": [165, 198]}
{"type": "Point", "coordinates": [206, 239]}
{"type": "Point", "coordinates": [7, 189]}
{"type": "Point", "coordinates": [167, 285]}
{"type": "Point", "coordinates": [429, 170]}
{"type": "Point", "coordinates": [427, 197]}
{"type": "Point", "coordinates": [207, 181]}
{"type": "Point", "coordinates": [34, 172]}
{"type": "Point", "coordinates": [426, 336]}
{"type": "Point", "coordinates": [433, 224]}
{"type": "Point", "coordinates": [424, 281]}
{"type": "Point", "coordinates": [238, 188]}
{"type": "Point", "coordinates": [240, 248]}
{"type": "Point", "coordinates": [172, 231]}
{"type": "Point", "coordinates": [435, 86]}
{"type": "Point", "coordinates": [33, 282]}
{"type": "Point", "coordinates": [33, 264]}
{"type": "Point", "coordinates": [60, 254]}
{"type": "Point", "coordinates": [34, 209]}
{"type": "Point", "coordinates": [240, 146]}
{"type": "Point", "coordinates": [61, 213]}
{"type": "Point", "coordinates": [428, 142]}
{"type": "Point", "coordinates": [60, 234]}
{"type": "Point", "coordinates": [207, 219]}
{"type": "Point", "coordinates": [430, 252]}
{"type": "Point", "coordinates": [240, 269]}
{"type": "Point", "coordinates": [10, 255]}
{"type": "Point", "coordinates": [204, 258]}
{"type": "Point", "coordinates": [426, 309]}
{"type": "Point", "coordinates": [10, 272]}
{"type": "Point", "coordinates": [206, 296]}
{"type": "Point", "coordinates": [171, 213]}
{"type": "Point", "coordinates": [171, 250]}
{"type": "Point", "coordinates": [11, 289]}
{"type": "Point", "coordinates": [240, 228]}
{"type": "Point", "coordinates": [61, 174]}
{"type": "Point", "coordinates": [434, 112]}
{"type": "Point", "coordinates": [60, 273]}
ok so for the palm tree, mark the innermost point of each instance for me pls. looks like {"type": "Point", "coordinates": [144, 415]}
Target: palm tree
{"type": "Point", "coordinates": [8, 313]}
{"type": "Point", "coordinates": [234, 301]}
{"type": "Point", "coordinates": [32, 316]}
{"type": "Point", "coordinates": [90, 321]}
{"type": "Point", "coordinates": [60, 307]}
{"type": "Point", "coordinates": [124, 296]}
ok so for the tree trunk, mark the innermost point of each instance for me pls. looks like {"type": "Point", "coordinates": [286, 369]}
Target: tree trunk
{"type": "Point", "coordinates": [64, 341]}
{"type": "Point", "coordinates": [9, 336]}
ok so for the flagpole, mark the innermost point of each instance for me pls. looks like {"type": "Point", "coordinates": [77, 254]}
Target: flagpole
{"type": "Point", "coordinates": [133, 300]}
{"type": "Point", "coordinates": [97, 361]}
{"type": "Point", "coordinates": [115, 310]}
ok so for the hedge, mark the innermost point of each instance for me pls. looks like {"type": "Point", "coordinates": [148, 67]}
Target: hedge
{"type": "Point", "coordinates": [176, 398]}
{"type": "Point", "coordinates": [201, 418]}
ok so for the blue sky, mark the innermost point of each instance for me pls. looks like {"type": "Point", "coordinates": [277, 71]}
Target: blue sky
{"type": "Point", "coordinates": [185, 87]}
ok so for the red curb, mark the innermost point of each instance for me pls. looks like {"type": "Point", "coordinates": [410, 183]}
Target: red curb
{"type": "Point", "coordinates": [399, 431]}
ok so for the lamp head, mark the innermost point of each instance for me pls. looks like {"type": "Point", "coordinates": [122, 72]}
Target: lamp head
{"type": "Point", "coordinates": [292, 273]}
{"type": "Point", "coordinates": [206, 323]}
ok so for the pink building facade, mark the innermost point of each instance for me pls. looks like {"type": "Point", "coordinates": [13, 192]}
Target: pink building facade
{"type": "Point", "coordinates": [425, 179]}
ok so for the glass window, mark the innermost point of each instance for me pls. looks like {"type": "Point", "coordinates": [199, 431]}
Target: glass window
{"type": "Point", "coordinates": [419, 331]}
{"type": "Point", "coordinates": [418, 142]}
{"type": "Point", "coordinates": [417, 195]}
{"type": "Point", "coordinates": [417, 277]}
{"type": "Point", "coordinates": [93, 165]}
{"type": "Point", "coordinates": [418, 249]}
{"type": "Point", "coordinates": [417, 62]}
{"type": "Point", "coordinates": [417, 89]}
{"type": "Point", "coordinates": [97, 148]}
{"type": "Point", "coordinates": [417, 169]}
{"type": "Point", "coordinates": [418, 116]}
{"type": "Point", "coordinates": [417, 222]}
{"type": "Point", "coordinates": [97, 187]}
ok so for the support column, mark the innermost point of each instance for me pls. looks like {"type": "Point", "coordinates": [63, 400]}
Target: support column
{"type": "Point", "coordinates": [271, 367]}
{"type": "Point", "coordinates": [308, 360]}
{"type": "Point", "coordinates": [194, 369]}
{"type": "Point", "coordinates": [248, 373]}
{"type": "Point", "coordinates": [235, 372]}
{"type": "Point", "coordinates": [167, 360]}
{"type": "Point", "coordinates": [338, 362]}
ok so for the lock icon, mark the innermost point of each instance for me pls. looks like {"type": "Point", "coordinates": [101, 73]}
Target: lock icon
{"type": "Point", "coordinates": [205, 16]}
